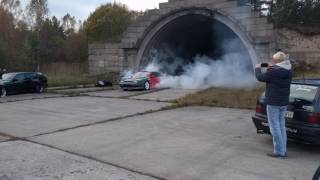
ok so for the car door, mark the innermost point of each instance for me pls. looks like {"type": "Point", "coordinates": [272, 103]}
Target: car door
{"type": "Point", "coordinates": [18, 83]}
{"type": "Point", "coordinates": [29, 82]}
{"type": "Point", "coordinates": [11, 86]}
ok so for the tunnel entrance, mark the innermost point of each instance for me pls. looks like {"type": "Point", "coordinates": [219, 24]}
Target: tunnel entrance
{"type": "Point", "coordinates": [178, 43]}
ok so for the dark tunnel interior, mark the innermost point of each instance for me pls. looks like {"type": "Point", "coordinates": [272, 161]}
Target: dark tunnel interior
{"type": "Point", "coordinates": [190, 36]}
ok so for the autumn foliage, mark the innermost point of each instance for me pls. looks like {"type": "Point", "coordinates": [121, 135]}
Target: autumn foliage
{"type": "Point", "coordinates": [29, 38]}
{"type": "Point", "coordinates": [108, 22]}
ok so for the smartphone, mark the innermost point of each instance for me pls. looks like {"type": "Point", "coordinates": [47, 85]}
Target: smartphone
{"type": "Point", "coordinates": [264, 65]}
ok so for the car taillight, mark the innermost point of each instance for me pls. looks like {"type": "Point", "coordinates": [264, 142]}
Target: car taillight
{"type": "Point", "coordinates": [259, 109]}
{"type": "Point", "coordinates": [314, 118]}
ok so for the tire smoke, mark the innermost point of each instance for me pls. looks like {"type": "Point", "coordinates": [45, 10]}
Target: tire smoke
{"type": "Point", "coordinates": [232, 70]}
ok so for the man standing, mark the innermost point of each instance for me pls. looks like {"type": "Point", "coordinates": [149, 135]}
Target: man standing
{"type": "Point", "coordinates": [278, 79]}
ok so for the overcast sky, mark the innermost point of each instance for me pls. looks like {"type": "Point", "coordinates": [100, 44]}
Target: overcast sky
{"type": "Point", "coordinates": [82, 8]}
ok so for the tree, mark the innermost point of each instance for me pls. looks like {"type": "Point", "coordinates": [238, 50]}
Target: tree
{"type": "Point", "coordinates": [59, 45]}
{"type": "Point", "coordinates": [14, 8]}
{"type": "Point", "coordinates": [68, 23]}
{"type": "Point", "coordinates": [38, 12]}
{"type": "Point", "coordinates": [108, 22]}
{"type": "Point", "coordinates": [302, 15]}
{"type": "Point", "coordinates": [25, 46]}
{"type": "Point", "coordinates": [12, 38]}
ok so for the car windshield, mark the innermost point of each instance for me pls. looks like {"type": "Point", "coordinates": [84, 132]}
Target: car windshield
{"type": "Point", "coordinates": [8, 77]}
{"type": "Point", "coordinates": [140, 75]}
{"type": "Point", "coordinates": [303, 92]}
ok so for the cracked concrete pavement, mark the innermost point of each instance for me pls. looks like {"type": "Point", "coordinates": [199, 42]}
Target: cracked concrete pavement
{"type": "Point", "coordinates": [33, 117]}
{"type": "Point", "coordinates": [22, 160]}
{"type": "Point", "coordinates": [187, 143]}
{"type": "Point", "coordinates": [24, 97]}
{"type": "Point", "coordinates": [73, 138]}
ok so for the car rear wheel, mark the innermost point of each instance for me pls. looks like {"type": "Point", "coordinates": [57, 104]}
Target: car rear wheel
{"type": "Point", "coordinates": [3, 92]}
{"type": "Point", "coordinates": [39, 88]}
{"type": "Point", "coordinates": [147, 85]}
{"type": "Point", "coordinates": [317, 175]}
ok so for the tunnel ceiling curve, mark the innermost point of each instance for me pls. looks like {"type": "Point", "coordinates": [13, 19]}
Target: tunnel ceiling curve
{"type": "Point", "coordinates": [192, 35]}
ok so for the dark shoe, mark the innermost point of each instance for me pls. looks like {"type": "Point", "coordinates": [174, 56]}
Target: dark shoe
{"type": "Point", "coordinates": [277, 155]}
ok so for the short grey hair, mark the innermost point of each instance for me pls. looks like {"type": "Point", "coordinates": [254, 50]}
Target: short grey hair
{"type": "Point", "coordinates": [279, 56]}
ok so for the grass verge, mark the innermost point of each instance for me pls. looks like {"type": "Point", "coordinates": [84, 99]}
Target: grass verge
{"type": "Point", "coordinates": [307, 74]}
{"type": "Point", "coordinates": [222, 97]}
{"type": "Point", "coordinates": [232, 98]}
{"type": "Point", "coordinates": [70, 79]}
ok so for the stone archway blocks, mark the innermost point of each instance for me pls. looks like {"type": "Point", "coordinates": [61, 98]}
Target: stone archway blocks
{"type": "Point", "coordinates": [247, 24]}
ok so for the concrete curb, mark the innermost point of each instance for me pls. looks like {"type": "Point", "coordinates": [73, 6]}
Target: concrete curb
{"type": "Point", "coordinates": [71, 87]}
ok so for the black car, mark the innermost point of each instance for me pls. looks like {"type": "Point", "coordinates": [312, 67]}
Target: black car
{"type": "Point", "coordinates": [303, 115]}
{"type": "Point", "coordinates": [143, 80]}
{"type": "Point", "coordinates": [317, 175]}
{"type": "Point", "coordinates": [22, 82]}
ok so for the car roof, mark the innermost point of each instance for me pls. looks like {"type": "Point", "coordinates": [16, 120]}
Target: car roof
{"type": "Point", "coordinates": [313, 82]}
{"type": "Point", "coordinates": [149, 71]}
{"type": "Point", "coordinates": [21, 73]}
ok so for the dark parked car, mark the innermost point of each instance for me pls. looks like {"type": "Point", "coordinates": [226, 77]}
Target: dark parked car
{"type": "Point", "coordinates": [141, 80]}
{"type": "Point", "coordinates": [303, 115]}
{"type": "Point", "coordinates": [22, 82]}
{"type": "Point", "coordinates": [317, 175]}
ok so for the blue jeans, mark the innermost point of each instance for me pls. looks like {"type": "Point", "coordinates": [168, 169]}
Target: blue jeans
{"type": "Point", "coordinates": [277, 125]}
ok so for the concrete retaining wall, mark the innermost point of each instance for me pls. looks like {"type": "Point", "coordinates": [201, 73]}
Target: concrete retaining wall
{"type": "Point", "coordinates": [105, 58]}
{"type": "Point", "coordinates": [300, 47]}
{"type": "Point", "coordinates": [257, 33]}
{"type": "Point", "coordinates": [110, 57]}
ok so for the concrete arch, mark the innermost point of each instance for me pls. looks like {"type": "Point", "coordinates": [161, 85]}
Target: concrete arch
{"type": "Point", "coordinates": [153, 30]}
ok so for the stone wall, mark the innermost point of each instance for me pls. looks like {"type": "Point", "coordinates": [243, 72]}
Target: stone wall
{"type": "Point", "coordinates": [257, 33]}
{"type": "Point", "coordinates": [301, 48]}
{"type": "Point", "coordinates": [105, 58]}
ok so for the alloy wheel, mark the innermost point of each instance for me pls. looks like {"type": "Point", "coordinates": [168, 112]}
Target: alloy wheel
{"type": "Point", "coordinates": [39, 89]}
{"type": "Point", "coordinates": [147, 85]}
{"type": "Point", "coordinates": [3, 92]}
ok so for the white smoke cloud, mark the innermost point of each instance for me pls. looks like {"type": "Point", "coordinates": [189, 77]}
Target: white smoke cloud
{"type": "Point", "coordinates": [127, 74]}
{"type": "Point", "coordinates": [230, 71]}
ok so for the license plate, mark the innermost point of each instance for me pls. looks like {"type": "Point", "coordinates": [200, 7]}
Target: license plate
{"type": "Point", "coordinates": [289, 114]}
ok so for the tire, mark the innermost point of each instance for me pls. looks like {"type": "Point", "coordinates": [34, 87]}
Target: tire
{"type": "Point", "coordinates": [40, 88]}
{"type": "Point", "coordinates": [147, 85]}
{"type": "Point", "coordinates": [3, 92]}
{"type": "Point", "coordinates": [317, 175]}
